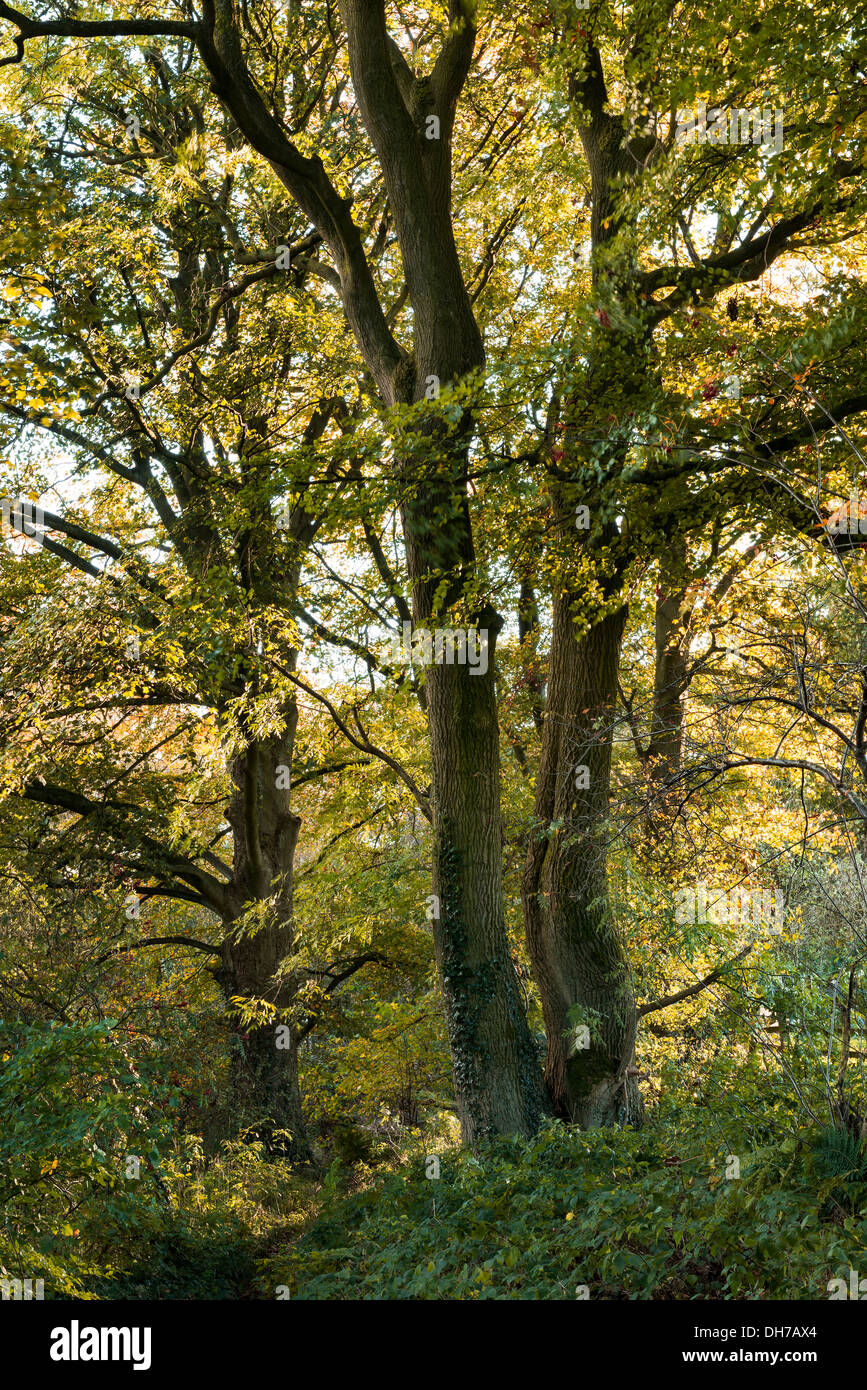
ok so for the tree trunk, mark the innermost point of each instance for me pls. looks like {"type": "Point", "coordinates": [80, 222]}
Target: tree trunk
{"type": "Point", "coordinates": [263, 1079]}
{"type": "Point", "coordinates": [265, 1095]}
{"type": "Point", "coordinates": [496, 1070]}
{"type": "Point", "coordinates": [665, 750]}
{"type": "Point", "coordinates": [579, 962]}
{"type": "Point", "coordinates": [663, 756]}
{"type": "Point", "coordinates": [497, 1082]}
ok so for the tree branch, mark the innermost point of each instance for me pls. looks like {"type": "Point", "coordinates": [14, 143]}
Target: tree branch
{"type": "Point", "coordinates": [159, 941]}
{"type": "Point", "coordinates": [47, 794]}
{"type": "Point", "coordinates": [654, 1005]}
{"type": "Point", "coordinates": [365, 746]}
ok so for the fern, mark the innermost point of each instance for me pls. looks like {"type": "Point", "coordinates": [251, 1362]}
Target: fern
{"type": "Point", "coordinates": [838, 1154]}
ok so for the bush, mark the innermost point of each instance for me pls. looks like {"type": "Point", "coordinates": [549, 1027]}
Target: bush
{"type": "Point", "coordinates": [625, 1215]}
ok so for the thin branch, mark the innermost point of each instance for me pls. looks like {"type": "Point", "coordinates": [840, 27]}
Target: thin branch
{"type": "Point", "coordinates": [159, 941]}
{"type": "Point", "coordinates": [654, 1005]}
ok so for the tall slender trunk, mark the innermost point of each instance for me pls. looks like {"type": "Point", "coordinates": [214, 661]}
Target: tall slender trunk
{"type": "Point", "coordinates": [674, 671]}
{"type": "Point", "coordinates": [263, 1080]}
{"type": "Point", "coordinates": [665, 749]}
{"type": "Point", "coordinates": [496, 1070]}
{"type": "Point", "coordinates": [498, 1083]}
{"type": "Point", "coordinates": [579, 962]}
{"type": "Point", "coordinates": [663, 756]}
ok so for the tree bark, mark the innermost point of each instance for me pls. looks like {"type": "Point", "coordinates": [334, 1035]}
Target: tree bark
{"type": "Point", "coordinates": [579, 963]}
{"type": "Point", "coordinates": [671, 678]}
{"type": "Point", "coordinates": [663, 756]}
{"type": "Point", "coordinates": [496, 1070]}
{"type": "Point", "coordinates": [263, 1078]}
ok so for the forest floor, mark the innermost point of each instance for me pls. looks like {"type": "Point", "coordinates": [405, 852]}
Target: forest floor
{"type": "Point", "coordinates": [610, 1215]}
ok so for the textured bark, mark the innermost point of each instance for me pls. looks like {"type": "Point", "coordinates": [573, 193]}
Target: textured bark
{"type": "Point", "coordinates": [497, 1080]}
{"type": "Point", "coordinates": [264, 1087]}
{"type": "Point", "coordinates": [579, 960]}
{"type": "Point", "coordinates": [498, 1086]}
{"type": "Point", "coordinates": [579, 963]}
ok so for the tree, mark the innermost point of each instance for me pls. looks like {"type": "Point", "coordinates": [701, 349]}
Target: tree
{"type": "Point", "coordinates": [410, 121]}
{"type": "Point", "coordinates": [192, 537]}
{"type": "Point", "coordinates": [618, 401]}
